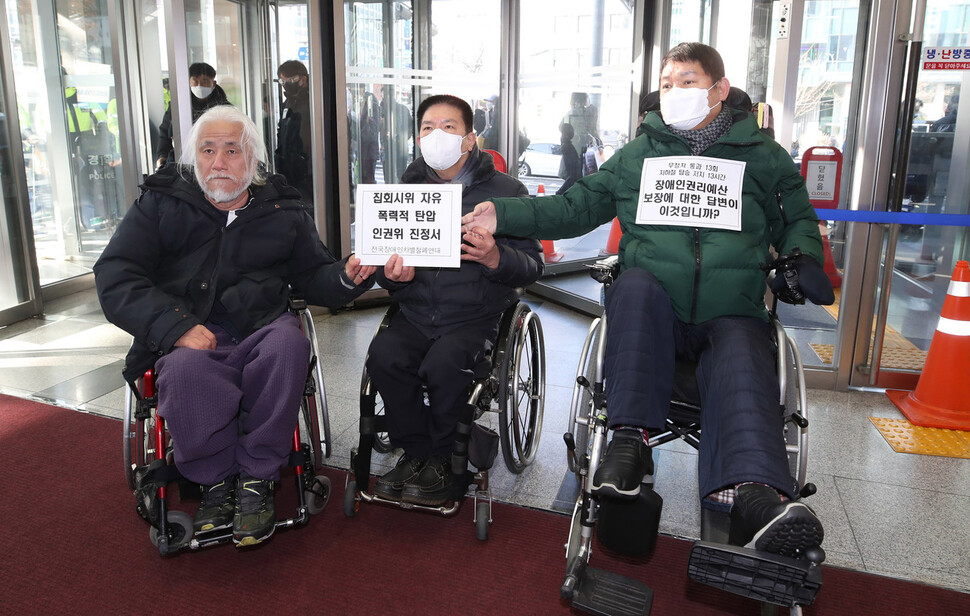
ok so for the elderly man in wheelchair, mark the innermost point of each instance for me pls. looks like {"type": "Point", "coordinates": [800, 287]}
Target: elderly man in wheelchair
{"type": "Point", "coordinates": [198, 273]}
{"type": "Point", "coordinates": [691, 286]}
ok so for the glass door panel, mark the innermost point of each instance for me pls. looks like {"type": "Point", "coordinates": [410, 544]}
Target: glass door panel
{"type": "Point", "coordinates": [152, 65]}
{"type": "Point", "coordinates": [575, 68]}
{"type": "Point", "coordinates": [71, 141]}
{"type": "Point", "coordinates": [17, 288]}
{"type": "Point", "coordinates": [214, 30]}
{"type": "Point", "coordinates": [937, 182]}
{"type": "Point", "coordinates": [826, 103]}
{"type": "Point", "coordinates": [396, 57]}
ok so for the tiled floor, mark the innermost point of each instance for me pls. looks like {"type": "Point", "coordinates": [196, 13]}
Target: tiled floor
{"type": "Point", "coordinates": [899, 515]}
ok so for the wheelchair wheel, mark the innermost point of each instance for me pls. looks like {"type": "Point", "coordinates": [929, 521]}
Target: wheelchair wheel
{"type": "Point", "coordinates": [318, 494]}
{"type": "Point", "coordinates": [794, 397]}
{"type": "Point", "coordinates": [482, 521]}
{"type": "Point", "coordinates": [522, 382]}
{"type": "Point", "coordinates": [314, 411]}
{"type": "Point", "coordinates": [581, 409]}
{"type": "Point", "coordinates": [372, 405]}
{"type": "Point", "coordinates": [180, 530]}
{"type": "Point", "coordinates": [138, 439]}
{"type": "Point", "coordinates": [350, 499]}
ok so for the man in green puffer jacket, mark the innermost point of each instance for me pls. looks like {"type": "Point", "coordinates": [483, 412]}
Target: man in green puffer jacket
{"type": "Point", "coordinates": [694, 290]}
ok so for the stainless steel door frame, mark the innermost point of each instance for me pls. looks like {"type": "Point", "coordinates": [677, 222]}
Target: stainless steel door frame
{"type": "Point", "coordinates": [882, 91]}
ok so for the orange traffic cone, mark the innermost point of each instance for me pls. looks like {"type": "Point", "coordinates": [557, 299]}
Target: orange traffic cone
{"type": "Point", "coordinates": [549, 252]}
{"type": "Point", "coordinates": [613, 243]}
{"type": "Point", "coordinates": [942, 396]}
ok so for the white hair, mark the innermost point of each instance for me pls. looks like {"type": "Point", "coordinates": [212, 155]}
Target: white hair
{"type": "Point", "coordinates": [253, 147]}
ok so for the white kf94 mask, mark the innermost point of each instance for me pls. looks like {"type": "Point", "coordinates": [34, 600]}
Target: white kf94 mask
{"type": "Point", "coordinates": [685, 108]}
{"type": "Point", "coordinates": [440, 150]}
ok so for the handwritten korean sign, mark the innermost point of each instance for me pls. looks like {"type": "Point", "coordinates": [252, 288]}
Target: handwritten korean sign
{"type": "Point", "coordinates": [691, 191]}
{"type": "Point", "coordinates": [420, 222]}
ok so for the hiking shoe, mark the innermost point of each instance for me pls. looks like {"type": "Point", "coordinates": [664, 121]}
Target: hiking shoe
{"type": "Point", "coordinates": [432, 485]}
{"type": "Point", "coordinates": [217, 506]}
{"type": "Point", "coordinates": [760, 519]}
{"type": "Point", "coordinates": [626, 462]}
{"type": "Point", "coordinates": [255, 518]}
{"type": "Point", "coordinates": [390, 485]}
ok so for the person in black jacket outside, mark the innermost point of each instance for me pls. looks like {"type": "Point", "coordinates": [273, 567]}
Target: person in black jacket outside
{"type": "Point", "coordinates": [449, 318]}
{"type": "Point", "coordinates": [198, 273]}
{"type": "Point", "coordinates": [570, 166]}
{"type": "Point", "coordinates": [292, 156]}
{"type": "Point", "coordinates": [205, 93]}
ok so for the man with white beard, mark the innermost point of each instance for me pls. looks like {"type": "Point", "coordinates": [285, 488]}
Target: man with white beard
{"type": "Point", "coordinates": [199, 273]}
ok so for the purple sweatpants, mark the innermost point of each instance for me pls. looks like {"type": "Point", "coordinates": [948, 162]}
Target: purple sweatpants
{"type": "Point", "coordinates": [234, 409]}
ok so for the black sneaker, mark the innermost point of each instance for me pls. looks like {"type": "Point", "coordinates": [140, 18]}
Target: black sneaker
{"type": "Point", "coordinates": [217, 506]}
{"type": "Point", "coordinates": [432, 486]}
{"type": "Point", "coordinates": [761, 520]}
{"type": "Point", "coordinates": [255, 518]}
{"type": "Point", "coordinates": [391, 484]}
{"type": "Point", "coordinates": [626, 462]}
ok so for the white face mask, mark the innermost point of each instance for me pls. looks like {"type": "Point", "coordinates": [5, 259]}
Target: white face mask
{"type": "Point", "coordinates": [202, 91]}
{"type": "Point", "coordinates": [685, 108]}
{"type": "Point", "coordinates": [441, 150]}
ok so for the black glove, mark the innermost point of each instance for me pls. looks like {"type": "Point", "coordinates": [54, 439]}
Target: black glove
{"type": "Point", "coordinates": [799, 277]}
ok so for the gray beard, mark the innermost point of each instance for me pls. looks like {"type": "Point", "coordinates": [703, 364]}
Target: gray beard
{"type": "Point", "coordinates": [219, 195]}
{"type": "Point", "coordinates": [223, 196]}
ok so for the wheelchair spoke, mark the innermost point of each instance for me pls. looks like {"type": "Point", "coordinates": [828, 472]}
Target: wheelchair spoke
{"type": "Point", "coordinates": [522, 385]}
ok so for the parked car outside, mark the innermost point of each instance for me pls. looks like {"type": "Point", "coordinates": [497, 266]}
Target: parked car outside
{"type": "Point", "coordinates": [541, 159]}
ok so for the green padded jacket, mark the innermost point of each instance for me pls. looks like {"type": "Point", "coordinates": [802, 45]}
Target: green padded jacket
{"type": "Point", "coordinates": [708, 273]}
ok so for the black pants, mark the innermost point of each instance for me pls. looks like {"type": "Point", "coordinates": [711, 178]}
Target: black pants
{"type": "Point", "coordinates": [402, 360]}
{"type": "Point", "coordinates": [737, 380]}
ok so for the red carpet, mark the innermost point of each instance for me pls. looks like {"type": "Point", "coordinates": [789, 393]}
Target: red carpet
{"type": "Point", "coordinates": [72, 543]}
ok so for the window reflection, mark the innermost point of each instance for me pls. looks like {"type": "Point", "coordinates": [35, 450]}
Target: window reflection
{"type": "Point", "coordinates": [70, 131]}
{"type": "Point", "coordinates": [579, 72]}
{"type": "Point", "coordinates": [925, 255]}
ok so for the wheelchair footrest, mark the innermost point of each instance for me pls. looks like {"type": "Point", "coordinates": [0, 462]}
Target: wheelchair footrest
{"type": "Point", "coordinates": [757, 575]}
{"type": "Point", "coordinates": [611, 594]}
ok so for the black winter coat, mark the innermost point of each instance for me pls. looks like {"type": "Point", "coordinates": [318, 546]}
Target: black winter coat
{"type": "Point", "coordinates": [439, 299]}
{"type": "Point", "coordinates": [173, 256]}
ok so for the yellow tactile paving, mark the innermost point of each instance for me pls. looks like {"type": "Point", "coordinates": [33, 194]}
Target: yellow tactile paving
{"type": "Point", "coordinates": [897, 351]}
{"type": "Point", "coordinates": [904, 437]}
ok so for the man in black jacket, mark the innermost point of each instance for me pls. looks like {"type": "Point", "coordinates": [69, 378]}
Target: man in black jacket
{"type": "Point", "coordinates": [449, 318]}
{"type": "Point", "coordinates": [292, 156]}
{"type": "Point", "coordinates": [205, 94]}
{"type": "Point", "coordinates": [198, 272]}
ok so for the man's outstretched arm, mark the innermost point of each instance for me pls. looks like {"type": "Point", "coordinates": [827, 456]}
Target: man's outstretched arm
{"type": "Point", "coordinates": [482, 216]}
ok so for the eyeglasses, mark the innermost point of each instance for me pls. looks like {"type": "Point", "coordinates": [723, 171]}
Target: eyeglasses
{"type": "Point", "coordinates": [289, 80]}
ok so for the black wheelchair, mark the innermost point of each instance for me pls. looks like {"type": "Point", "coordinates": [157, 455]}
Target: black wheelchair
{"type": "Point", "coordinates": [770, 578]}
{"type": "Point", "coordinates": [150, 468]}
{"type": "Point", "coordinates": [510, 382]}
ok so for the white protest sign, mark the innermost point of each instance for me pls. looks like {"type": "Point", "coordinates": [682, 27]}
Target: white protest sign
{"type": "Point", "coordinates": [691, 191]}
{"type": "Point", "coordinates": [420, 222]}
